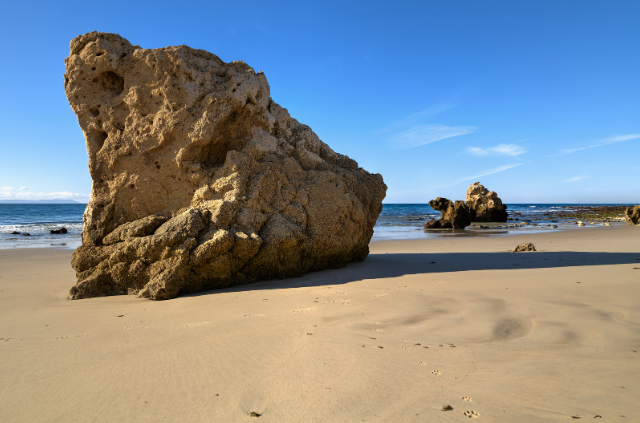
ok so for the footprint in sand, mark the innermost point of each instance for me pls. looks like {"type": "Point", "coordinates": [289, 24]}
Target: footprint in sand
{"type": "Point", "coordinates": [379, 295]}
{"type": "Point", "coordinates": [436, 372]}
{"type": "Point", "coordinates": [404, 347]}
{"type": "Point", "coordinates": [188, 325]}
{"type": "Point", "coordinates": [422, 363]}
{"type": "Point", "coordinates": [6, 339]}
{"type": "Point", "coordinates": [471, 414]}
{"type": "Point", "coordinates": [466, 398]}
{"type": "Point", "coordinates": [72, 336]}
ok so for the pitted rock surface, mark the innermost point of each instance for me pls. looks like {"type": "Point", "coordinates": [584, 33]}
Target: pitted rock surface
{"type": "Point", "coordinates": [485, 205]}
{"type": "Point", "coordinates": [201, 180]}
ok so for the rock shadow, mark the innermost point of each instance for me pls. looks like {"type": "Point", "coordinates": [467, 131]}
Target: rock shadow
{"type": "Point", "coordinates": [378, 266]}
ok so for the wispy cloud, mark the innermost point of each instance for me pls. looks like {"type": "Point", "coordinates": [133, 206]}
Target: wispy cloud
{"type": "Point", "coordinates": [606, 141]}
{"type": "Point", "coordinates": [577, 178]}
{"type": "Point", "coordinates": [415, 118]}
{"type": "Point", "coordinates": [512, 150]}
{"type": "Point", "coordinates": [483, 174]}
{"type": "Point", "coordinates": [9, 193]}
{"type": "Point", "coordinates": [425, 134]}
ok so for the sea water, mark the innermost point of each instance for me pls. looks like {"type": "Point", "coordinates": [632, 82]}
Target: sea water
{"type": "Point", "coordinates": [402, 221]}
{"type": "Point", "coordinates": [38, 220]}
{"type": "Point", "coordinates": [397, 221]}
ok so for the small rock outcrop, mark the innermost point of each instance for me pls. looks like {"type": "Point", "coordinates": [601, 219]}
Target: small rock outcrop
{"type": "Point", "coordinates": [485, 205]}
{"type": "Point", "coordinates": [525, 247]}
{"type": "Point", "coordinates": [632, 215]}
{"type": "Point", "coordinates": [58, 231]}
{"type": "Point", "coordinates": [454, 214]}
{"type": "Point", "coordinates": [201, 180]}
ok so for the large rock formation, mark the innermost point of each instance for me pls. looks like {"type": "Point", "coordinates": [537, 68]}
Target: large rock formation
{"type": "Point", "coordinates": [200, 179]}
{"type": "Point", "coordinates": [454, 215]}
{"type": "Point", "coordinates": [485, 205]}
{"type": "Point", "coordinates": [632, 215]}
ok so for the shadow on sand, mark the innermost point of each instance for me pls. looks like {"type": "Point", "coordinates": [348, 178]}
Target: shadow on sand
{"type": "Point", "coordinates": [378, 266]}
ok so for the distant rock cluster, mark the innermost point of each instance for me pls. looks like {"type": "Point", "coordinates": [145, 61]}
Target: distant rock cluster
{"type": "Point", "coordinates": [481, 205]}
{"type": "Point", "coordinates": [201, 180]}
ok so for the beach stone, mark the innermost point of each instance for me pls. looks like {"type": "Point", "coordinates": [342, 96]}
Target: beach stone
{"type": "Point", "coordinates": [632, 215]}
{"type": "Point", "coordinates": [524, 247]}
{"type": "Point", "coordinates": [454, 214]}
{"type": "Point", "coordinates": [26, 234]}
{"type": "Point", "coordinates": [201, 180]}
{"type": "Point", "coordinates": [15, 233]}
{"type": "Point", "coordinates": [485, 205]}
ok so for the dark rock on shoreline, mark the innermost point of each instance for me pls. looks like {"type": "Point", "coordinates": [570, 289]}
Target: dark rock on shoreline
{"type": "Point", "coordinates": [454, 215]}
{"type": "Point", "coordinates": [632, 215]}
{"type": "Point", "coordinates": [15, 233]}
{"type": "Point", "coordinates": [58, 231]}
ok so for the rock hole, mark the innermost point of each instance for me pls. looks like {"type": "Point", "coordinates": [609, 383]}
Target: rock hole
{"type": "Point", "coordinates": [238, 84]}
{"type": "Point", "coordinates": [95, 111]}
{"type": "Point", "coordinates": [100, 53]}
{"type": "Point", "coordinates": [123, 55]}
{"type": "Point", "coordinates": [232, 135]}
{"type": "Point", "coordinates": [97, 138]}
{"type": "Point", "coordinates": [93, 68]}
{"type": "Point", "coordinates": [110, 82]}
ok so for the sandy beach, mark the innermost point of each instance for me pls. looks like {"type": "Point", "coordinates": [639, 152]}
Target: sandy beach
{"type": "Point", "coordinates": [419, 325]}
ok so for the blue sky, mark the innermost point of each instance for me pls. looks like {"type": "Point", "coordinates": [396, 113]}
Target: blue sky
{"type": "Point", "coordinates": [539, 101]}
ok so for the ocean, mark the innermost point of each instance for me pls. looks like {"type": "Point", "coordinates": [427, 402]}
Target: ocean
{"type": "Point", "coordinates": [397, 221]}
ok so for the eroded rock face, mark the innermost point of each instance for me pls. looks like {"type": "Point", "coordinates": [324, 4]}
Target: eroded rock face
{"type": "Point", "coordinates": [454, 215]}
{"type": "Point", "coordinates": [200, 179]}
{"type": "Point", "coordinates": [632, 215]}
{"type": "Point", "coordinates": [485, 205]}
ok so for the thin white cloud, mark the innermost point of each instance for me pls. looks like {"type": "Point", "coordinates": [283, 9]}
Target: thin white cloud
{"type": "Point", "coordinates": [577, 178]}
{"type": "Point", "coordinates": [425, 134]}
{"type": "Point", "coordinates": [415, 118]}
{"type": "Point", "coordinates": [606, 141]}
{"type": "Point", "coordinates": [8, 193]}
{"type": "Point", "coordinates": [512, 150]}
{"type": "Point", "coordinates": [483, 174]}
